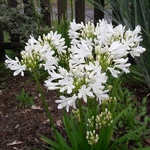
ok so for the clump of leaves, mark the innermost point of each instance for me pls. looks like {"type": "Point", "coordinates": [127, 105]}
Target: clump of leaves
{"type": "Point", "coordinates": [133, 118]}
{"type": "Point", "coordinates": [18, 23]}
{"type": "Point", "coordinates": [25, 99]}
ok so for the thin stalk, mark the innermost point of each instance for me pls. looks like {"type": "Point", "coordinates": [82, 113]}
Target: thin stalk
{"type": "Point", "coordinates": [81, 123]}
{"type": "Point", "coordinates": [43, 99]}
{"type": "Point", "coordinates": [94, 111]}
{"type": "Point", "coordinates": [92, 147]}
{"type": "Point", "coordinates": [45, 105]}
{"type": "Point", "coordinates": [113, 94]}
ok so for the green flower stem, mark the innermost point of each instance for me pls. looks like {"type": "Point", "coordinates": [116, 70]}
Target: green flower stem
{"type": "Point", "coordinates": [81, 122]}
{"type": "Point", "coordinates": [45, 105]}
{"type": "Point", "coordinates": [43, 99]}
{"type": "Point", "coordinates": [92, 147]}
{"type": "Point", "coordinates": [114, 93]}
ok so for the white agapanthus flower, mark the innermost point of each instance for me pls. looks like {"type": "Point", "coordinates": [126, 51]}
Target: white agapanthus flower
{"type": "Point", "coordinates": [117, 50]}
{"type": "Point", "coordinates": [85, 91]}
{"type": "Point", "coordinates": [15, 65]}
{"type": "Point", "coordinates": [122, 64]}
{"type": "Point", "coordinates": [82, 80]}
{"type": "Point", "coordinates": [130, 39]}
{"type": "Point", "coordinates": [67, 102]}
{"type": "Point", "coordinates": [136, 51]}
{"type": "Point", "coordinates": [38, 53]}
{"type": "Point", "coordinates": [103, 31]}
{"type": "Point", "coordinates": [50, 63]}
{"type": "Point", "coordinates": [65, 80]}
{"type": "Point", "coordinates": [94, 52]}
{"type": "Point", "coordinates": [88, 43]}
{"type": "Point", "coordinates": [45, 52]}
{"type": "Point", "coordinates": [76, 60]}
{"type": "Point", "coordinates": [106, 44]}
{"type": "Point", "coordinates": [94, 68]}
{"type": "Point", "coordinates": [54, 75]}
{"type": "Point", "coordinates": [119, 32]}
{"type": "Point", "coordinates": [81, 51]}
{"type": "Point", "coordinates": [66, 84]}
{"type": "Point", "coordinates": [97, 84]}
{"type": "Point", "coordinates": [55, 41]}
{"type": "Point", "coordinates": [51, 85]}
{"type": "Point", "coordinates": [73, 31]}
{"type": "Point", "coordinates": [32, 42]}
{"type": "Point", "coordinates": [114, 72]}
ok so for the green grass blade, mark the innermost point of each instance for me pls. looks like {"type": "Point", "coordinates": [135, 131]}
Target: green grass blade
{"type": "Point", "coordinates": [55, 145]}
{"type": "Point", "coordinates": [71, 131]}
{"type": "Point", "coordinates": [127, 136]}
{"type": "Point", "coordinates": [63, 143]}
{"type": "Point", "coordinates": [146, 148]}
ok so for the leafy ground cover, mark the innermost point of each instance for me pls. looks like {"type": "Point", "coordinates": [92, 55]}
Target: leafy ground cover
{"type": "Point", "coordinates": [20, 128]}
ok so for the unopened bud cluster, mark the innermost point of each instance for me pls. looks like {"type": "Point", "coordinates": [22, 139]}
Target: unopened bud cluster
{"type": "Point", "coordinates": [103, 119]}
{"type": "Point", "coordinates": [31, 61]}
{"type": "Point", "coordinates": [103, 57]}
{"type": "Point", "coordinates": [108, 100]}
{"type": "Point", "coordinates": [92, 137]}
{"type": "Point", "coordinates": [76, 114]}
{"type": "Point", "coordinates": [91, 122]}
{"type": "Point", "coordinates": [88, 31]}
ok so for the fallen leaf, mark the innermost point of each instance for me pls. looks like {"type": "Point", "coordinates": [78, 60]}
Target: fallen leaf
{"type": "Point", "coordinates": [36, 107]}
{"type": "Point", "coordinates": [58, 123]}
{"type": "Point", "coordinates": [26, 110]}
{"type": "Point", "coordinates": [14, 143]}
{"type": "Point", "coordinates": [17, 126]}
{"type": "Point", "coordinates": [17, 148]}
{"type": "Point", "coordinates": [46, 121]}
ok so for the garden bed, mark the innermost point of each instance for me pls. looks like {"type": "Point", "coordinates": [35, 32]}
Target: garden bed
{"type": "Point", "coordinates": [20, 128]}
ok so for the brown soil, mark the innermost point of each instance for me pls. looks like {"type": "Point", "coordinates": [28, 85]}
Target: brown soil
{"type": "Point", "coordinates": [20, 128]}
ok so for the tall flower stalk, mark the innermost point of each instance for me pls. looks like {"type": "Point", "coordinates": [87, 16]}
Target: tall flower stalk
{"type": "Point", "coordinates": [87, 80]}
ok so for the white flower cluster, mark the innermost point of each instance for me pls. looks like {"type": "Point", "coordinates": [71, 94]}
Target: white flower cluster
{"type": "Point", "coordinates": [55, 42]}
{"type": "Point", "coordinates": [38, 53]}
{"type": "Point", "coordinates": [95, 53]}
{"type": "Point", "coordinates": [82, 82]}
{"type": "Point", "coordinates": [105, 44]}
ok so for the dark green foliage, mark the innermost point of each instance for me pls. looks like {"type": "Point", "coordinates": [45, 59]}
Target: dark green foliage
{"type": "Point", "coordinates": [18, 23]}
{"type": "Point", "coordinates": [25, 99]}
